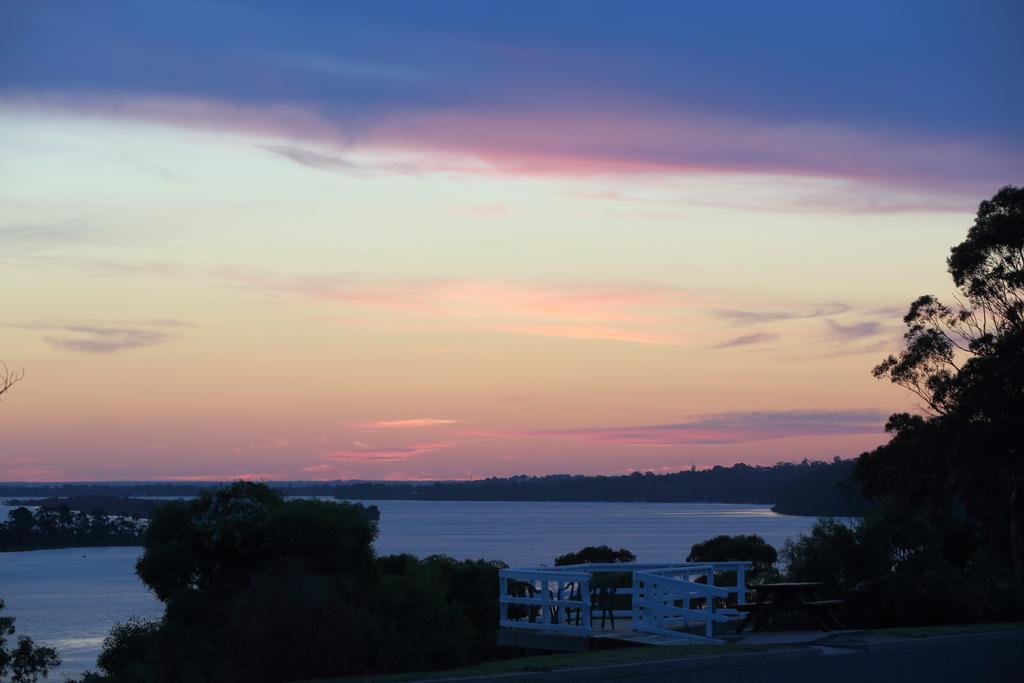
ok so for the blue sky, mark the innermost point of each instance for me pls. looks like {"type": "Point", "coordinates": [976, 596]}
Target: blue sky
{"type": "Point", "coordinates": [922, 73]}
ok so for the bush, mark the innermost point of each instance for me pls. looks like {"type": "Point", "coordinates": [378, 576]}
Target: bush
{"type": "Point", "coordinates": [258, 589]}
{"type": "Point", "coordinates": [599, 554]}
{"type": "Point", "coordinates": [750, 548]}
{"type": "Point", "coordinates": [26, 662]}
{"type": "Point", "coordinates": [900, 569]}
{"type": "Point", "coordinates": [448, 607]}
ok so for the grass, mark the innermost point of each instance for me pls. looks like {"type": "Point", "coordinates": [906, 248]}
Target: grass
{"type": "Point", "coordinates": [953, 630]}
{"type": "Point", "coordinates": [647, 654]}
{"type": "Point", "coordinates": [561, 661]}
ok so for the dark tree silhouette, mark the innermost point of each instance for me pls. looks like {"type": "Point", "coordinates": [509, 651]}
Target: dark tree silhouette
{"type": "Point", "coordinates": [963, 459]}
{"type": "Point", "coordinates": [744, 548]}
{"type": "Point", "coordinates": [25, 662]}
{"type": "Point", "coordinates": [8, 378]}
{"type": "Point", "coordinates": [596, 554]}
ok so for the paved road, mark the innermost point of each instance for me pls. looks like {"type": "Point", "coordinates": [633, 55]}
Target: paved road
{"type": "Point", "coordinates": [963, 659]}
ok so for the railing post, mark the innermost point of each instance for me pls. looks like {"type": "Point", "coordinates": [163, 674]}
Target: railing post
{"type": "Point", "coordinates": [741, 583]}
{"type": "Point", "coordinates": [502, 606]}
{"type": "Point", "coordinates": [585, 607]}
{"type": "Point", "coordinates": [636, 599]}
{"type": "Point", "coordinates": [709, 606]}
{"type": "Point", "coordinates": [686, 603]}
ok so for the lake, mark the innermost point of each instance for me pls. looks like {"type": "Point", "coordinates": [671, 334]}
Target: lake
{"type": "Point", "coordinates": [70, 598]}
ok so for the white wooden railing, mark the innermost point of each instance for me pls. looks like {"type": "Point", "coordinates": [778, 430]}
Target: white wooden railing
{"type": "Point", "coordinates": [544, 599]}
{"type": "Point", "coordinates": [558, 599]}
{"type": "Point", "coordinates": [666, 597]}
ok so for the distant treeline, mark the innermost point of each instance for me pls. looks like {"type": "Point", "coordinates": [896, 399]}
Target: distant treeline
{"type": "Point", "coordinates": [142, 488]}
{"type": "Point", "coordinates": [139, 508]}
{"type": "Point", "coordinates": [106, 505]}
{"type": "Point", "coordinates": [805, 488]}
{"type": "Point", "coordinates": [61, 527]}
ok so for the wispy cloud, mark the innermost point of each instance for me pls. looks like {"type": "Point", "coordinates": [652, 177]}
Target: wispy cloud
{"type": "Point", "coordinates": [246, 476]}
{"type": "Point", "coordinates": [735, 427]}
{"type": "Point", "coordinates": [575, 143]}
{"type": "Point", "coordinates": [20, 239]}
{"type": "Point", "coordinates": [630, 312]}
{"type": "Point", "coordinates": [750, 317]}
{"type": "Point", "coordinates": [591, 332]}
{"type": "Point", "coordinates": [746, 340]}
{"type": "Point", "coordinates": [106, 337]}
{"type": "Point", "coordinates": [366, 454]}
{"type": "Point", "coordinates": [845, 333]}
{"type": "Point", "coordinates": [339, 164]}
{"type": "Point", "coordinates": [88, 339]}
{"type": "Point", "coordinates": [412, 423]}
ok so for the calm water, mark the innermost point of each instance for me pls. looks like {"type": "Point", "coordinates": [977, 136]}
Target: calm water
{"type": "Point", "coordinates": [70, 598]}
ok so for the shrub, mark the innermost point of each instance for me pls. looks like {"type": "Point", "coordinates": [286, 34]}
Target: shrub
{"type": "Point", "coordinates": [895, 568]}
{"type": "Point", "coordinates": [599, 554]}
{"type": "Point", "coordinates": [26, 662]}
{"type": "Point", "coordinates": [258, 589]}
{"type": "Point", "coordinates": [750, 548]}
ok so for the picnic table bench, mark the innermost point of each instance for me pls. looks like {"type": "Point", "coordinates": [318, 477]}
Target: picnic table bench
{"type": "Point", "coordinates": [787, 597]}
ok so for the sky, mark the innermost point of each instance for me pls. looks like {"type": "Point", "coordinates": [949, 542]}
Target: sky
{"type": "Point", "coordinates": [450, 240]}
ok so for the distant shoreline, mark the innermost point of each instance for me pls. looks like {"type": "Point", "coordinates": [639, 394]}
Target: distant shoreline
{"type": "Point", "coordinates": [807, 488]}
{"type": "Point", "coordinates": [70, 547]}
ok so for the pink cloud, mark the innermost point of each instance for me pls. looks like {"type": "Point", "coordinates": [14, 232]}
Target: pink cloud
{"type": "Point", "coordinates": [735, 427]}
{"type": "Point", "coordinates": [590, 332]}
{"type": "Point", "coordinates": [574, 142]}
{"type": "Point", "coordinates": [374, 455]}
{"type": "Point", "coordinates": [631, 312]}
{"type": "Point", "coordinates": [412, 423]}
{"type": "Point", "coordinates": [247, 476]}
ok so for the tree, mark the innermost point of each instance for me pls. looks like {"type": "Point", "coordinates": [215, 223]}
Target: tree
{"type": "Point", "coordinates": [595, 554]}
{"type": "Point", "coordinates": [212, 545]}
{"type": "Point", "coordinates": [962, 460]}
{"type": "Point", "coordinates": [8, 378]}
{"type": "Point", "coordinates": [743, 548]}
{"type": "Point", "coordinates": [26, 662]}
{"type": "Point", "coordinates": [256, 588]}
{"type": "Point", "coordinates": [260, 589]}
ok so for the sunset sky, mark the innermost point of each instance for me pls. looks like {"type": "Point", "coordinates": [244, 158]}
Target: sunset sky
{"type": "Point", "coordinates": [417, 240]}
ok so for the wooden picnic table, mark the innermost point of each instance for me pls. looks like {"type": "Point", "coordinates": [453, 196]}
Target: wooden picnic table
{"type": "Point", "coordinates": [789, 596]}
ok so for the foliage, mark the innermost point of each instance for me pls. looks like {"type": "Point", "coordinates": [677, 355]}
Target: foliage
{"type": "Point", "coordinates": [447, 608]}
{"type": "Point", "coordinates": [26, 662]}
{"type": "Point", "coordinates": [257, 589]}
{"type": "Point", "coordinates": [824, 490]}
{"type": "Point", "coordinates": [749, 548]}
{"type": "Point", "coordinates": [962, 462]}
{"type": "Point", "coordinates": [59, 527]}
{"type": "Point", "coordinates": [599, 554]}
{"type": "Point", "coordinates": [891, 568]}
{"type": "Point", "coordinates": [944, 539]}
{"type": "Point", "coordinates": [215, 544]}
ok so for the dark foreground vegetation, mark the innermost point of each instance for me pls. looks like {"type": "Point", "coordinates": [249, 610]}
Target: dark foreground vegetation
{"type": "Point", "coordinates": [257, 588]}
{"type": "Point", "coordinates": [60, 527]}
{"type": "Point", "coordinates": [20, 658]}
{"type": "Point", "coordinates": [944, 540]}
